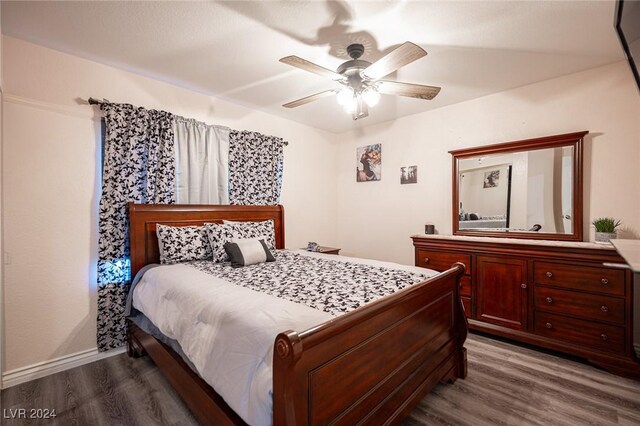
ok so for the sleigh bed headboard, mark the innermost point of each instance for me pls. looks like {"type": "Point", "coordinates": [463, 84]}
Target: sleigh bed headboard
{"type": "Point", "coordinates": [144, 217]}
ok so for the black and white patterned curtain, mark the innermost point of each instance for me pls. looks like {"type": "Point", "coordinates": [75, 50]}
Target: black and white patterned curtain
{"type": "Point", "coordinates": [255, 168]}
{"type": "Point", "coordinates": [139, 166]}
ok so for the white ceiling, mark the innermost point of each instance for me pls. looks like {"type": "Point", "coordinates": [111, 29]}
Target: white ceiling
{"type": "Point", "coordinates": [231, 49]}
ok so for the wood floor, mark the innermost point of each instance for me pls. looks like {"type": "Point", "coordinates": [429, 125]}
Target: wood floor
{"type": "Point", "coordinates": [507, 385]}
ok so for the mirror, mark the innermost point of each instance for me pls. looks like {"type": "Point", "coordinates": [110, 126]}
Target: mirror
{"type": "Point", "coordinates": [523, 189]}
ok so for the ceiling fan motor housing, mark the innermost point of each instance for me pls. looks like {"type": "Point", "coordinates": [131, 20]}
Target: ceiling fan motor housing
{"type": "Point", "coordinates": [355, 50]}
{"type": "Point", "coordinates": [352, 69]}
{"type": "Point", "coordinates": [355, 64]}
{"type": "Point", "coordinates": [352, 66]}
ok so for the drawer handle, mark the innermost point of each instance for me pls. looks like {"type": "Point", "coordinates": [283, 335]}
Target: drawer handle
{"type": "Point", "coordinates": [549, 300]}
{"type": "Point", "coordinates": [604, 308]}
{"type": "Point", "coordinates": [604, 281]}
{"type": "Point", "coordinates": [426, 260]}
{"type": "Point", "coordinates": [523, 285]}
{"type": "Point", "coordinates": [604, 337]}
{"type": "Point", "coordinates": [549, 325]}
{"type": "Point", "coordinates": [549, 274]}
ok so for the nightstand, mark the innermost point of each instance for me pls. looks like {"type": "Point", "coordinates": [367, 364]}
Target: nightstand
{"type": "Point", "coordinates": [327, 250]}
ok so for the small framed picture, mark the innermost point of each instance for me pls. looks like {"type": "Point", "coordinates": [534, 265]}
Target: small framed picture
{"type": "Point", "coordinates": [408, 174]}
{"type": "Point", "coordinates": [491, 179]}
{"type": "Point", "coordinates": [369, 163]}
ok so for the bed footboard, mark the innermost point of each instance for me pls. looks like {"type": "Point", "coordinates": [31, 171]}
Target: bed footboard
{"type": "Point", "coordinates": [374, 364]}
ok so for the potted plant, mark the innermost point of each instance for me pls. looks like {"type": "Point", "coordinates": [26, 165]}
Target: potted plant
{"type": "Point", "coordinates": [606, 228]}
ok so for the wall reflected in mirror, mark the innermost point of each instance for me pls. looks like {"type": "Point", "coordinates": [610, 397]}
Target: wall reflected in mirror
{"type": "Point", "coordinates": [527, 191]}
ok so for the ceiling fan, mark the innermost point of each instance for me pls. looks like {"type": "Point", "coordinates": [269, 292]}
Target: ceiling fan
{"type": "Point", "coordinates": [361, 80]}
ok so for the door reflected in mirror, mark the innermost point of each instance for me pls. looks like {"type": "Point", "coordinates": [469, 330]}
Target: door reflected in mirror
{"type": "Point", "coordinates": [522, 189]}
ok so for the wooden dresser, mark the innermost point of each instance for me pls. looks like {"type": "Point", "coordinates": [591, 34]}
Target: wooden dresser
{"type": "Point", "coordinates": [557, 295]}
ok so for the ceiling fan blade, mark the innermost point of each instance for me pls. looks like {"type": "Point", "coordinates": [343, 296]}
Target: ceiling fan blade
{"type": "Point", "coordinates": [309, 98]}
{"type": "Point", "coordinates": [397, 58]}
{"type": "Point", "coordinates": [303, 64]}
{"type": "Point", "coordinates": [407, 89]}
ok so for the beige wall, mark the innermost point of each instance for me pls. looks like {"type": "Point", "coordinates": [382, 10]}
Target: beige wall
{"type": "Point", "coordinates": [51, 170]}
{"type": "Point", "coordinates": [377, 218]}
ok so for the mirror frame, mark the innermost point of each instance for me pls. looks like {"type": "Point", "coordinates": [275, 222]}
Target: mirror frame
{"type": "Point", "coordinates": [570, 139]}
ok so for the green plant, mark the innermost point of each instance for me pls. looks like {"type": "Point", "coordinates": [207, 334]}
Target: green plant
{"type": "Point", "coordinates": [606, 224]}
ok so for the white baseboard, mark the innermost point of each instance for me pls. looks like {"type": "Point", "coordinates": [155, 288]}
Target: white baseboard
{"type": "Point", "coordinates": [46, 368]}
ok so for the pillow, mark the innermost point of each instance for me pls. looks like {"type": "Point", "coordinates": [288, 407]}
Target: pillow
{"type": "Point", "coordinates": [262, 229]}
{"type": "Point", "coordinates": [182, 243]}
{"type": "Point", "coordinates": [219, 235]}
{"type": "Point", "coordinates": [245, 252]}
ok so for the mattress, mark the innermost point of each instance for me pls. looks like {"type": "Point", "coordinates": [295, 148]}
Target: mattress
{"type": "Point", "coordinates": [225, 319]}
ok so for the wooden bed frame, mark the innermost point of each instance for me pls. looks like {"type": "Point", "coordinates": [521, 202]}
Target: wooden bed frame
{"type": "Point", "coordinates": [372, 365]}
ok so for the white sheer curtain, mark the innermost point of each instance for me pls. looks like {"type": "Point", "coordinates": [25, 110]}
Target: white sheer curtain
{"type": "Point", "coordinates": [202, 162]}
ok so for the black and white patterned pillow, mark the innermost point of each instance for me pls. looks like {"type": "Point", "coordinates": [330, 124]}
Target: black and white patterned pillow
{"type": "Point", "coordinates": [262, 229]}
{"type": "Point", "coordinates": [182, 243]}
{"type": "Point", "coordinates": [219, 234]}
{"type": "Point", "coordinates": [250, 251]}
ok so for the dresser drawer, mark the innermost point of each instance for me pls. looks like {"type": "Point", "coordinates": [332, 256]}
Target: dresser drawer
{"type": "Point", "coordinates": [465, 286]}
{"type": "Point", "coordinates": [586, 305]}
{"type": "Point", "coordinates": [588, 278]}
{"type": "Point", "coordinates": [588, 333]}
{"type": "Point", "coordinates": [441, 260]}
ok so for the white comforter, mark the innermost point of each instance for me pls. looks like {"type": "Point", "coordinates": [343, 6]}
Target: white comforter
{"type": "Point", "coordinates": [227, 331]}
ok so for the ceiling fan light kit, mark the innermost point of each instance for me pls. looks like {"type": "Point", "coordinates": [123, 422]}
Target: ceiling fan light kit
{"type": "Point", "coordinates": [361, 80]}
{"type": "Point", "coordinates": [345, 96]}
{"type": "Point", "coordinates": [349, 99]}
{"type": "Point", "coordinates": [371, 96]}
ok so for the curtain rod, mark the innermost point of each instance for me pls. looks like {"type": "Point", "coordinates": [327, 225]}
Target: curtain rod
{"type": "Point", "coordinates": [94, 101]}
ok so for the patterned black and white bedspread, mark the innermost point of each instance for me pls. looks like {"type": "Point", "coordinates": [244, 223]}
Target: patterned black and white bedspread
{"type": "Point", "coordinates": [333, 286]}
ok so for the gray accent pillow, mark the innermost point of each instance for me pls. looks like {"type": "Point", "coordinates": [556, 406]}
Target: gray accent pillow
{"type": "Point", "coordinates": [182, 243]}
{"type": "Point", "coordinates": [259, 229]}
{"type": "Point", "coordinates": [250, 251]}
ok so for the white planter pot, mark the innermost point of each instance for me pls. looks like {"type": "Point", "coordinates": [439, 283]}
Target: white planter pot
{"type": "Point", "coordinates": [604, 237]}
